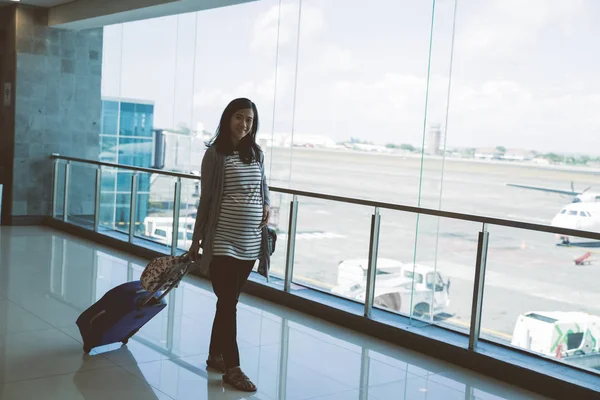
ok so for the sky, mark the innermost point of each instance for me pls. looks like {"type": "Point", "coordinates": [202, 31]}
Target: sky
{"type": "Point", "coordinates": [524, 74]}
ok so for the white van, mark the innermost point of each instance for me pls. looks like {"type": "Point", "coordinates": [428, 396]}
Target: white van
{"type": "Point", "coordinates": [164, 235]}
{"type": "Point", "coordinates": [151, 223]}
{"type": "Point", "coordinates": [160, 229]}
{"type": "Point", "coordinates": [394, 286]}
{"type": "Point", "coordinates": [558, 334]}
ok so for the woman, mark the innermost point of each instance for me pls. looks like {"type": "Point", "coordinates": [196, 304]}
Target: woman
{"type": "Point", "coordinates": [231, 225]}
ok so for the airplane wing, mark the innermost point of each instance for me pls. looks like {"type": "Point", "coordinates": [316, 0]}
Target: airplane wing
{"type": "Point", "coordinates": [542, 189]}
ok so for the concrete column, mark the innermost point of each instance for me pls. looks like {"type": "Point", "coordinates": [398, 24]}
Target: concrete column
{"type": "Point", "coordinates": [58, 105]}
{"type": "Point", "coordinates": [7, 106]}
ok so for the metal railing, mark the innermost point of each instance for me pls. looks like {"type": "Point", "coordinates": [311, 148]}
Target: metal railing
{"type": "Point", "coordinates": [482, 246]}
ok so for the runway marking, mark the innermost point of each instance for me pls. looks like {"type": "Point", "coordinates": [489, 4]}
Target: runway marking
{"type": "Point", "coordinates": [314, 282]}
{"type": "Point", "coordinates": [490, 331]}
{"type": "Point", "coordinates": [584, 249]}
{"type": "Point", "coordinates": [314, 235]}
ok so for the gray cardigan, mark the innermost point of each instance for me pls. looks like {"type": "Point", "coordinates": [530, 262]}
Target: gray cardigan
{"type": "Point", "coordinates": [209, 208]}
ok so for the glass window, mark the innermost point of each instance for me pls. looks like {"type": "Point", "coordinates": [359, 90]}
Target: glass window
{"type": "Point", "coordinates": [574, 340]}
{"type": "Point", "coordinates": [107, 209]}
{"type": "Point", "coordinates": [136, 152]}
{"type": "Point", "coordinates": [144, 114]}
{"type": "Point", "coordinates": [127, 123]}
{"type": "Point", "coordinates": [110, 118]}
{"type": "Point", "coordinates": [143, 183]}
{"type": "Point", "coordinates": [124, 181]}
{"type": "Point", "coordinates": [410, 274]}
{"type": "Point", "coordinates": [365, 112]}
{"type": "Point", "coordinates": [137, 119]}
{"type": "Point", "coordinates": [108, 149]}
{"type": "Point", "coordinates": [123, 200]}
{"type": "Point", "coordinates": [108, 180]}
{"type": "Point", "coordinates": [434, 281]}
{"type": "Point", "coordinates": [122, 212]}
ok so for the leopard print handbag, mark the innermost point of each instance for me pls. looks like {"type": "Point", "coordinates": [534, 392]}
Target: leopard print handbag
{"type": "Point", "coordinates": [164, 272]}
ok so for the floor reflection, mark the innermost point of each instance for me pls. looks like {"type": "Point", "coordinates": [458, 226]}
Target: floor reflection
{"type": "Point", "coordinates": [49, 278]}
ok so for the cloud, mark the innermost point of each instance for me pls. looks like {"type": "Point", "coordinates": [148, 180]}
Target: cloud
{"type": "Point", "coordinates": [285, 18]}
{"type": "Point", "coordinates": [512, 86]}
{"type": "Point", "coordinates": [491, 96]}
{"type": "Point", "coordinates": [323, 54]}
{"type": "Point", "coordinates": [260, 91]}
{"type": "Point", "coordinates": [519, 116]}
{"type": "Point", "coordinates": [393, 97]}
{"type": "Point", "coordinates": [505, 27]}
{"type": "Point", "coordinates": [210, 97]}
{"type": "Point", "coordinates": [333, 57]}
{"type": "Point", "coordinates": [391, 109]}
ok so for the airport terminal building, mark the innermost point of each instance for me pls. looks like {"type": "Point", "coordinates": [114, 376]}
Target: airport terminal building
{"type": "Point", "coordinates": [433, 178]}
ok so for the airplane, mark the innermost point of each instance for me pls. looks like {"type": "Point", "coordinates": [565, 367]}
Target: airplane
{"type": "Point", "coordinates": [578, 197]}
{"type": "Point", "coordinates": [583, 216]}
{"type": "Point", "coordinates": [583, 213]}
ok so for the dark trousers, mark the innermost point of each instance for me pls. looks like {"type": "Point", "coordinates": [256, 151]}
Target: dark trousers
{"type": "Point", "coordinates": [228, 275]}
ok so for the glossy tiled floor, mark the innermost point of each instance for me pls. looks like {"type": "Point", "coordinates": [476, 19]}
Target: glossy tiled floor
{"type": "Point", "coordinates": [47, 278]}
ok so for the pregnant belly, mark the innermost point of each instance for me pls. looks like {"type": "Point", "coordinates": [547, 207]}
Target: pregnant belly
{"type": "Point", "coordinates": [248, 215]}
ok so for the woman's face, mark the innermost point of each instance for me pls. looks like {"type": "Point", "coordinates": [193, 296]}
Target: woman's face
{"type": "Point", "coordinates": [241, 123]}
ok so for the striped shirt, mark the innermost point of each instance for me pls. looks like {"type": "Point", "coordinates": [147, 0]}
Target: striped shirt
{"type": "Point", "coordinates": [238, 234]}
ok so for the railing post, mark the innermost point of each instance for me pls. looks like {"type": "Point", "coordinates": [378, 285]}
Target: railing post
{"type": "Point", "coordinates": [97, 198]}
{"type": "Point", "coordinates": [94, 285]}
{"type": "Point", "coordinates": [479, 284]}
{"type": "Point", "coordinates": [133, 206]}
{"type": "Point", "coordinates": [54, 239]}
{"type": "Point", "coordinates": [171, 319]}
{"type": "Point", "coordinates": [176, 209]}
{"type": "Point", "coordinates": [291, 244]}
{"type": "Point", "coordinates": [365, 372]}
{"type": "Point", "coordinates": [55, 186]}
{"type": "Point", "coordinates": [66, 190]}
{"type": "Point", "coordinates": [129, 271]}
{"type": "Point", "coordinates": [63, 269]}
{"type": "Point", "coordinates": [372, 268]}
{"type": "Point", "coordinates": [284, 344]}
{"type": "Point", "coordinates": [469, 392]}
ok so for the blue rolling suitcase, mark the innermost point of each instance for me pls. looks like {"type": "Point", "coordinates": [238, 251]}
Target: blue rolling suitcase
{"type": "Point", "coordinates": [121, 312]}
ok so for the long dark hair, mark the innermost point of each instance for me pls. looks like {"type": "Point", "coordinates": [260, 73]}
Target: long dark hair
{"type": "Point", "coordinates": [248, 148]}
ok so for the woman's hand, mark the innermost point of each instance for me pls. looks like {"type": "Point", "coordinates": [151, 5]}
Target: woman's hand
{"type": "Point", "coordinates": [193, 252]}
{"type": "Point", "coordinates": [265, 220]}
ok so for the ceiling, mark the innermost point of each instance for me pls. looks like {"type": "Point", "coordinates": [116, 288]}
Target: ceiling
{"type": "Point", "coordinates": [44, 3]}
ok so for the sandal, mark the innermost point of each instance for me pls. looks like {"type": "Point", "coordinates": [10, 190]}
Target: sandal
{"type": "Point", "coordinates": [236, 378]}
{"type": "Point", "coordinates": [216, 363]}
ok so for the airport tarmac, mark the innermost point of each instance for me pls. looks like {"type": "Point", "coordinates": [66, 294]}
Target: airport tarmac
{"type": "Point", "coordinates": [526, 271]}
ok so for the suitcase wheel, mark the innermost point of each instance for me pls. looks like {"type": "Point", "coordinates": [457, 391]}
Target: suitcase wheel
{"type": "Point", "coordinates": [124, 341]}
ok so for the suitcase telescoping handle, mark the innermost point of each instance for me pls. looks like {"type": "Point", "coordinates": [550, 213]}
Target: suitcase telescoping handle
{"type": "Point", "coordinates": [176, 273]}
